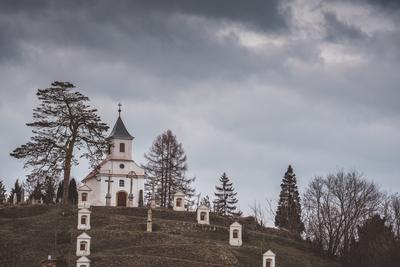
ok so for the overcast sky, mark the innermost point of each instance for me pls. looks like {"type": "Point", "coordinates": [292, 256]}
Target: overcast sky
{"type": "Point", "coordinates": [248, 87]}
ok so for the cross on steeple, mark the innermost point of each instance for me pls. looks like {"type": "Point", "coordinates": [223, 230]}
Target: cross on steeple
{"type": "Point", "coordinates": [119, 109]}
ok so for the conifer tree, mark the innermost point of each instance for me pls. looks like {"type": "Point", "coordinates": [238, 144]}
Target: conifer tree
{"type": "Point", "coordinates": [376, 245]}
{"type": "Point", "coordinates": [225, 202]}
{"type": "Point", "coordinates": [288, 214]}
{"type": "Point", "coordinates": [60, 189]}
{"type": "Point", "coordinates": [17, 189]}
{"type": "Point", "coordinates": [49, 188]}
{"type": "Point", "coordinates": [2, 192]}
{"type": "Point", "coordinates": [166, 167]}
{"type": "Point", "coordinates": [72, 192]}
{"type": "Point", "coordinates": [62, 124]}
{"type": "Point", "coordinates": [37, 191]}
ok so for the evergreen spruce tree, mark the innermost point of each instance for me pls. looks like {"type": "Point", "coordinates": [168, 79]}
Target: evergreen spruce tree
{"type": "Point", "coordinates": [17, 189]}
{"type": "Point", "coordinates": [376, 245]}
{"type": "Point", "coordinates": [2, 192]}
{"type": "Point", "coordinates": [288, 214]}
{"type": "Point", "coordinates": [225, 202]}
{"type": "Point", "coordinates": [49, 190]}
{"type": "Point", "coordinates": [36, 193]}
{"type": "Point", "coordinates": [73, 192]}
{"type": "Point", "coordinates": [165, 168]}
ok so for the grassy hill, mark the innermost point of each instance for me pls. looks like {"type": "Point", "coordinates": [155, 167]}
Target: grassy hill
{"type": "Point", "coordinates": [29, 233]}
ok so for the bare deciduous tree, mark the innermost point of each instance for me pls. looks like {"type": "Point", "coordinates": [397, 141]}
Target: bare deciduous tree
{"type": "Point", "coordinates": [334, 206]}
{"type": "Point", "coordinates": [166, 169]}
{"type": "Point", "coordinates": [258, 212]}
{"type": "Point", "coordinates": [392, 213]}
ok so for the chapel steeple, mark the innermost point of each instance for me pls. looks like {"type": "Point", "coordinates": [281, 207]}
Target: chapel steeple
{"type": "Point", "coordinates": [119, 131]}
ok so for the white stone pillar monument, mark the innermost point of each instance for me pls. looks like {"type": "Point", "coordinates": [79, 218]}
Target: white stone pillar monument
{"type": "Point", "coordinates": [203, 214]}
{"type": "Point", "coordinates": [235, 234]}
{"type": "Point", "coordinates": [179, 201]}
{"type": "Point", "coordinates": [84, 219]}
{"type": "Point", "coordinates": [83, 245]}
{"type": "Point", "coordinates": [83, 262]}
{"type": "Point", "coordinates": [83, 197]}
{"type": "Point", "coordinates": [269, 259]}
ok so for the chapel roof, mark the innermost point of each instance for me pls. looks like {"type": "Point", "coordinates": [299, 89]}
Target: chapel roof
{"type": "Point", "coordinates": [119, 131]}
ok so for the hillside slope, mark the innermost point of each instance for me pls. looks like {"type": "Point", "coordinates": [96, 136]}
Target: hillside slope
{"type": "Point", "coordinates": [29, 234]}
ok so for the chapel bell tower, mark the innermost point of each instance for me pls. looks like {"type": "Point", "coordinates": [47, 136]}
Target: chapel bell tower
{"type": "Point", "coordinates": [120, 141]}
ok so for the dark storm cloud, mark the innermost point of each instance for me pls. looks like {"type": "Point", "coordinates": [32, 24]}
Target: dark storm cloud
{"type": "Point", "coordinates": [339, 31]}
{"type": "Point", "coordinates": [90, 22]}
{"type": "Point", "coordinates": [262, 14]}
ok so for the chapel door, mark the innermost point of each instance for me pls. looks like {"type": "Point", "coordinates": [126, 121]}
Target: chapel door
{"type": "Point", "coordinates": [121, 199]}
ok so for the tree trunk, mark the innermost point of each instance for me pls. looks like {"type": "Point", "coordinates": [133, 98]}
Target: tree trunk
{"type": "Point", "coordinates": [67, 174]}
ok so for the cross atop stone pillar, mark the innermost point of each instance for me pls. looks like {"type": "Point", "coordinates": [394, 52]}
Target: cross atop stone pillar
{"type": "Point", "coordinates": [130, 175]}
{"type": "Point", "coordinates": [108, 195]}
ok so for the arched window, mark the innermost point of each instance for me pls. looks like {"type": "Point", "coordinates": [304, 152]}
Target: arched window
{"type": "Point", "coordinates": [235, 233]}
{"type": "Point", "coordinates": [203, 216]}
{"type": "Point", "coordinates": [121, 147]}
{"type": "Point", "coordinates": [83, 219]}
{"type": "Point", "coordinates": [83, 265]}
{"type": "Point", "coordinates": [82, 246]}
{"type": "Point", "coordinates": [84, 197]}
{"type": "Point", "coordinates": [268, 263]}
{"type": "Point", "coordinates": [179, 202]}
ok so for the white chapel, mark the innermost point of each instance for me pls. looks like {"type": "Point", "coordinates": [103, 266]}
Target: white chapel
{"type": "Point", "coordinates": [118, 181]}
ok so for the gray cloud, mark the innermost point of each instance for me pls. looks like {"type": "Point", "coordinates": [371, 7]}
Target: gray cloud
{"type": "Point", "coordinates": [339, 31]}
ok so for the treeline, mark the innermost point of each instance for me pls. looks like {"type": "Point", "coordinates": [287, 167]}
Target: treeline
{"type": "Point", "coordinates": [41, 193]}
{"type": "Point", "coordinates": [342, 215]}
{"type": "Point", "coordinates": [344, 212]}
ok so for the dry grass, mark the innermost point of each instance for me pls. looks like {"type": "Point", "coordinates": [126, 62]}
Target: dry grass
{"type": "Point", "coordinates": [28, 234]}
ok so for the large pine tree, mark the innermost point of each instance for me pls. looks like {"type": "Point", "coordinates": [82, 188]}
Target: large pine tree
{"type": "Point", "coordinates": [288, 214]}
{"type": "Point", "coordinates": [62, 124]}
{"type": "Point", "coordinates": [225, 197]}
{"type": "Point", "coordinates": [166, 167]}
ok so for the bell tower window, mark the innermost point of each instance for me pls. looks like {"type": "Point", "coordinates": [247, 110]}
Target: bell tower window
{"type": "Point", "coordinates": [121, 147]}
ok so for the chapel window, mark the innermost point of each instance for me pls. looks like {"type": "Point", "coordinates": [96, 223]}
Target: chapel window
{"type": "Point", "coordinates": [235, 234]}
{"type": "Point", "coordinates": [121, 147]}
{"type": "Point", "coordinates": [121, 183]}
{"type": "Point", "coordinates": [202, 216]}
{"type": "Point", "coordinates": [83, 246]}
{"type": "Point", "coordinates": [84, 197]}
{"type": "Point", "coordinates": [179, 202]}
{"type": "Point", "coordinates": [83, 219]}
